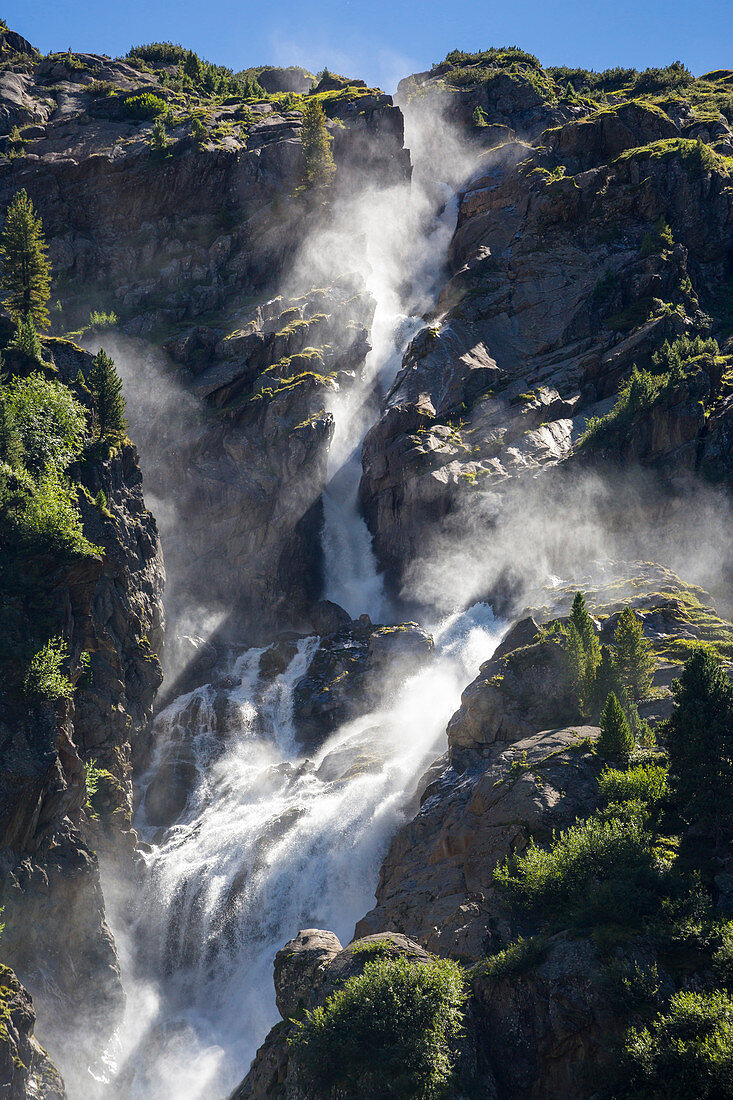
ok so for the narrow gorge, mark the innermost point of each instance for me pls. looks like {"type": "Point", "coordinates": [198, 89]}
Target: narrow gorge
{"type": "Point", "coordinates": [366, 717]}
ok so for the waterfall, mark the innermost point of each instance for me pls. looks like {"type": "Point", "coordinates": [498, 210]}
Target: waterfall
{"type": "Point", "coordinates": [271, 841]}
{"type": "Point", "coordinates": [352, 579]}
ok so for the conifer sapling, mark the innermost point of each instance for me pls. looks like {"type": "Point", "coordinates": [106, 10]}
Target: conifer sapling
{"type": "Point", "coordinates": [616, 741]}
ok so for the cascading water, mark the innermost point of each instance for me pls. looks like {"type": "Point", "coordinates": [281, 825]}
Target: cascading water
{"type": "Point", "coordinates": [350, 567]}
{"type": "Point", "coordinates": [271, 842]}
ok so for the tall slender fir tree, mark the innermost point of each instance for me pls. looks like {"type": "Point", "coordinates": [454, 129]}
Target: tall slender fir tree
{"type": "Point", "coordinates": [26, 271]}
{"type": "Point", "coordinates": [109, 404]}
{"type": "Point", "coordinates": [699, 739]}
{"type": "Point", "coordinates": [616, 741]}
{"type": "Point", "coordinates": [319, 163]}
{"type": "Point", "coordinates": [634, 659]}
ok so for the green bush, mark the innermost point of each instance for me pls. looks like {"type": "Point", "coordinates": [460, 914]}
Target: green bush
{"type": "Point", "coordinates": [44, 678]}
{"type": "Point", "coordinates": [50, 422]}
{"type": "Point", "coordinates": [604, 288]}
{"type": "Point", "coordinates": [199, 132]}
{"type": "Point", "coordinates": [165, 52]}
{"type": "Point", "coordinates": [145, 106]}
{"type": "Point", "coordinates": [673, 357]}
{"type": "Point", "coordinates": [387, 1033]}
{"type": "Point", "coordinates": [99, 319]}
{"type": "Point", "coordinates": [611, 80]}
{"type": "Point", "coordinates": [592, 871]}
{"type": "Point", "coordinates": [515, 959]}
{"type": "Point", "coordinates": [46, 518]}
{"type": "Point", "coordinates": [686, 1053]}
{"type": "Point", "coordinates": [42, 431]}
{"type": "Point", "coordinates": [658, 240]}
{"type": "Point", "coordinates": [646, 783]}
{"type": "Point", "coordinates": [496, 55]}
{"type": "Point", "coordinates": [637, 395]}
{"type": "Point", "coordinates": [26, 339]}
{"type": "Point", "coordinates": [97, 781]}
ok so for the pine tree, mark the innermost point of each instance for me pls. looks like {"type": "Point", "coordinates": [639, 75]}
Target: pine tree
{"type": "Point", "coordinates": [699, 738]}
{"type": "Point", "coordinates": [26, 339]}
{"type": "Point", "coordinates": [606, 681]}
{"type": "Point", "coordinates": [159, 139]}
{"type": "Point", "coordinates": [106, 388]}
{"type": "Point", "coordinates": [26, 271]}
{"type": "Point", "coordinates": [199, 132]}
{"type": "Point", "coordinates": [583, 623]}
{"type": "Point", "coordinates": [616, 741]}
{"type": "Point", "coordinates": [319, 163]}
{"type": "Point", "coordinates": [634, 658]}
{"type": "Point", "coordinates": [583, 652]}
{"type": "Point", "coordinates": [192, 67]}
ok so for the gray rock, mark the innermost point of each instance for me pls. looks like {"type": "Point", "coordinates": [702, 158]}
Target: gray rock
{"type": "Point", "coordinates": [299, 968]}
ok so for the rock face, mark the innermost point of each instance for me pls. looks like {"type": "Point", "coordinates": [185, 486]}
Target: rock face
{"type": "Point", "coordinates": [25, 1068]}
{"type": "Point", "coordinates": [108, 606]}
{"type": "Point", "coordinates": [245, 457]}
{"type": "Point", "coordinates": [165, 239]}
{"type": "Point", "coordinates": [559, 285]}
{"type": "Point", "coordinates": [519, 764]}
{"type": "Point", "coordinates": [547, 1033]}
{"type": "Point", "coordinates": [299, 967]}
{"type": "Point", "coordinates": [351, 671]}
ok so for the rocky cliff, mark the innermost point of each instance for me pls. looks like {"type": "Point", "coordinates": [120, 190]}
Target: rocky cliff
{"type": "Point", "coordinates": [26, 1070]}
{"type": "Point", "coordinates": [594, 233]}
{"type": "Point", "coordinates": [104, 604]}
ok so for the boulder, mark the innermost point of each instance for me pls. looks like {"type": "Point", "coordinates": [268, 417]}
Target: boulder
{"type": "Point", "coordinates": [299, 968]}
{"type": "Point", "coordinates": [290, 79]}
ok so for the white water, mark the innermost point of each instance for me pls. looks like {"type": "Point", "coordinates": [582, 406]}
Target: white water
{"type": "Point", "coordinates": [271, 842]}
{"type": "Point", "coordinates": [406, 237]}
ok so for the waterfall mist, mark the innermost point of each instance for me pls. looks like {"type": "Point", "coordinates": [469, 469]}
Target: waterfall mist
{"type": "Point", "coordinates": [271, 840]}
{"type": "Point", "coordinates": [270, 843]}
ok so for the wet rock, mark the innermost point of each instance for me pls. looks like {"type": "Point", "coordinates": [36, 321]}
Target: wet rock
{"type": "Point", "coordinates": [328, 618]}
{"type": "Point", "coordinates": [167, 793]}
{"type": "Point", "coordinates": [351, 672]}
{"type": "Point", "coordinates": [25, 1068]}
{"type": "Point", "coordinates": [278, 656]}
{"type": "Point", "coordinates": [522, 633]}
{"type": "Point", "coordinates": [299, 967]}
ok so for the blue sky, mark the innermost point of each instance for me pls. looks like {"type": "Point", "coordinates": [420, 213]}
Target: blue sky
{"type": "Point", "coordinates": [383, 40]}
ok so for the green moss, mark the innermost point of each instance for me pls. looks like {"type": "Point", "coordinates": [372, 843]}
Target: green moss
{"type": "Point", "coordinates": [695, 154]}
{"type": "Point", "coordinates": [517, 958]}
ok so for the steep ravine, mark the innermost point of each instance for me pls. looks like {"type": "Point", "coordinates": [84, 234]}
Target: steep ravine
{"type": "Point", "coordinates": [273, 790]}
{"type": "Point", "coordinates": [387, 432]}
